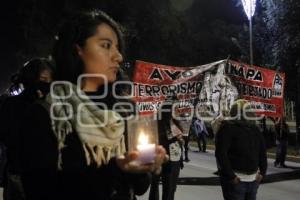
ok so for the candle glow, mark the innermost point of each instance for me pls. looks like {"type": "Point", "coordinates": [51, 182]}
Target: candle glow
{"type": "Point", "coordinates": [146, 150]}
{"type": "Point", "coordinates": [143, 139]}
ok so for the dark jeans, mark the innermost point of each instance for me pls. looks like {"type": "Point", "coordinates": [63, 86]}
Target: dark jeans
{"type": "Point", "coordinates": [169, 176]}
{"type": "Point", "coordinates": [201, 137]}
{"type": "Point", "coordinates": [240, 191]}
{"type": "Point", "coordinates": [281, 150]}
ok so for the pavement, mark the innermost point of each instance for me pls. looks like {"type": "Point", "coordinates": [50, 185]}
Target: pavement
{"type": "Point", "coordinates": [197, 180]}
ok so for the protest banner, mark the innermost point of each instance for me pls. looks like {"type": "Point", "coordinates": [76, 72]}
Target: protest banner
{"type": "Point", "coordinates": [264, 88]}
{"type": "Point", "coordinates": [209, 88]}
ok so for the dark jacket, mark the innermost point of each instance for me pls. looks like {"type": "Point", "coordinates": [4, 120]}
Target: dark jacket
{"type": "Point", "coordinates": [240, 147]}
{"type": "Point", "coordinates": [13, 111]}
{"type": "Point", "coordinates": [42, 180]}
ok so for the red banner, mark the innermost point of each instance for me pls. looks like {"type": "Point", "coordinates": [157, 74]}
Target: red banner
{"type": "Point", "coordinates": [264, 88]}
{"type": "Point", "coordinates": [154, 82]}
{"type": "Point", "coordinates": [213, 87]}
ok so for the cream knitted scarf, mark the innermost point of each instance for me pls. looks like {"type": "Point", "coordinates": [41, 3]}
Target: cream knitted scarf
{"type": "Point", "coordinates": [100, 131]}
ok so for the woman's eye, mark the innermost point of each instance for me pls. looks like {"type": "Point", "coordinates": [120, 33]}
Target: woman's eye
{"type": "Point", "coordinates": [106, 45]}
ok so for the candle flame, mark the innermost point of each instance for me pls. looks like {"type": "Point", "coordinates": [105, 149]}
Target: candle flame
{"type": "Point", "coordinates": [143, 139]}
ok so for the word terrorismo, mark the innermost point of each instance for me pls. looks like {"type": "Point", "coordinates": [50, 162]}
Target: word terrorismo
{"type": "Point", "coordinates": [192, 87]}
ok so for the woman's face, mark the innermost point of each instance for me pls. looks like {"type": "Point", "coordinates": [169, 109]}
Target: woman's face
{"type": "Point", "coordinates": [101, 56]}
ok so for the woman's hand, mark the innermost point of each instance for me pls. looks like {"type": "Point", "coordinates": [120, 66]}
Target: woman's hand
{"type": "Point", "coordinates": [125, 163]}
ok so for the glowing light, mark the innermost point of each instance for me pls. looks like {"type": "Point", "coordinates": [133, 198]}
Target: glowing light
{"type": "Point", "coordinates": [249, 7]}
{"type": "Point", "coordinates": [146, 150]}
{"type": "Point", "coordinates": [143, 139]}
{"type": "Point", "coordinates": [16, 91]}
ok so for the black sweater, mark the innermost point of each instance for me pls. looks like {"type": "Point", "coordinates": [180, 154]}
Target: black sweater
{"type": "Point", "coordinates": [240, 147]}
{"type": "Point", "coordinates": [42, 180]}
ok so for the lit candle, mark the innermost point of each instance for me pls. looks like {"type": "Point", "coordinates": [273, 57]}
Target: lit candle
{"type": "Point", "coordinates": [146, 150]}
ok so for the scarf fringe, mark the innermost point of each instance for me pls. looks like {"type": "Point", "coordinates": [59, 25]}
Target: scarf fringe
{"type": "Point", "coordinates": [102, 154]}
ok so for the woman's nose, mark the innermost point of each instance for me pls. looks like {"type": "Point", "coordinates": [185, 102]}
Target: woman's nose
{"type": "Point", "coordinates": [118, 57]}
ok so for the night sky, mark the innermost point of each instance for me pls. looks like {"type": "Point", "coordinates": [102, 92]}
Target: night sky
{"type": "Point", "coordinates": [9, 40]}
{"type": "Point", "coordinates": [14, 22]}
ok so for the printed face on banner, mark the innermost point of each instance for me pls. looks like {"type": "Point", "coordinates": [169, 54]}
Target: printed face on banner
{"type": "Point", "coordinates": [218, 93]}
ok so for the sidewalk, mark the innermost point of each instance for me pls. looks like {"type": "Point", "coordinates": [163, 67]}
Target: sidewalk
{"type": "Point", "coordinates": [293, 157]}
{"type": "Point", "coordinates": [292, 154]}
{"type": "Point", "coordinates": [197, 180]}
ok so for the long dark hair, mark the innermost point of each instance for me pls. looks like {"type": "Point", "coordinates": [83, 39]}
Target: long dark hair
{"type": "Point", "coordinates": [75, 31]}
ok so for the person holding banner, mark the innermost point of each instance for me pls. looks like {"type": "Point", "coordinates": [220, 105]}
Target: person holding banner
{"type": "Point", "coordinates": [241, 154]}
{"type": "Point", "coordinates": [74, 146]}
{"type": "Point", "coordinates": [170, 136]}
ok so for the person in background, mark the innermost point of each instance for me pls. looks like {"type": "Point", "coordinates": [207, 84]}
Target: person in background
{"type": "Point", "coordinates": [215, 125]}
{"type": "Point", "coordinates": [282, 132]}
{"type": "Point", "coordinates": [75, 143]}
{"type": "Point", "coordinates": [185, 123]}
{"type": "Point", "coordinates": [170, 137]}
{"type": "Point", "coordinates": [35, 77]}
{"type": "Point", "coordinates": [241, 154]}
{"type": "Point", "coordinates": [201, 133]}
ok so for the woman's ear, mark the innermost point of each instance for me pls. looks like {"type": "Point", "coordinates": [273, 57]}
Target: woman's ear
{"type": "Point", "coordinates": [79, 50]}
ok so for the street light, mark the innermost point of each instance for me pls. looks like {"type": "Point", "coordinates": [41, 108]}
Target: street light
{"type": "Point", "coordinates": [249, 8]}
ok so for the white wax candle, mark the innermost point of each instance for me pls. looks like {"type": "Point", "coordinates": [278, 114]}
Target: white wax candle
{"type": "Point", "coordinates": [146, 151]}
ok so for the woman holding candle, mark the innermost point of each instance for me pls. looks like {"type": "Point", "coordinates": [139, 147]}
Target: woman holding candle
{"type": "Point", "coordinates": [170, 137]}
{"type": "Point", "coordinates": [74, 143]}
